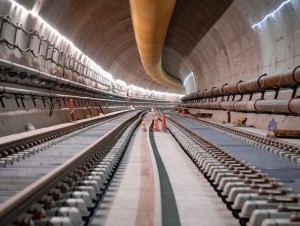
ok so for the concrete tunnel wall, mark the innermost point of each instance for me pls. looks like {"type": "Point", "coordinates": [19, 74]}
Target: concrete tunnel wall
{"type": "Point", "coordinates": [230, 51]}
{"type": "Point", "coordinates": [102, 30]}
{"type": "Point", "coordinates": [233, 51]}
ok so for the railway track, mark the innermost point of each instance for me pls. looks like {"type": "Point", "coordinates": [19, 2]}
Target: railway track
{"type": "Point", "coordinates": [59, 176]}
{"type": "Point", "coordinates": [15, 147]}
{"type": "Point", "coordinates": [278, 147]}
{"type": "Point", "coordinates": [254, 190]}
{"type": "Point", "coordinates": [158, 185]}
{"type": "Point", "coordinates": [64, 180]}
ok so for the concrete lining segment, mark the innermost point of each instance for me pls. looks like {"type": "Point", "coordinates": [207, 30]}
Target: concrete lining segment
{"type": "Point", "coordinates": [197, 202]}
{"type": "Point", "coordinates": [214, 37]}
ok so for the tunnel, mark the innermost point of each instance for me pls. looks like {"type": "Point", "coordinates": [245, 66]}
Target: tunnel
{"type": "Point", "coordinates": [150, 112]}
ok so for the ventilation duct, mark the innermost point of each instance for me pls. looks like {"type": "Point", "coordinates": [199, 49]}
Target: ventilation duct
{"type": "Point", "coordinates": [150, 20]}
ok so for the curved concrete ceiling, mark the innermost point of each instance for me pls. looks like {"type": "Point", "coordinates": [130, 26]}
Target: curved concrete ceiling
{"type": "Point", "coordinates": [103, 31]}
{"type": "Point", "coordinates": [211, 38]}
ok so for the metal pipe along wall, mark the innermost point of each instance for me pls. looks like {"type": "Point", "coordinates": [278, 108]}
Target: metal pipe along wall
{"type": "Point", "coordinates": [210, 99]}
{"type": "Point", "coordinates": [264, 82]}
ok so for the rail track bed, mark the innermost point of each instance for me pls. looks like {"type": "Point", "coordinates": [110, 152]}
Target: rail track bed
{"type": "Point", "coordinates": [157, 184]}
{"type": "Point", "coordinates": [254, 154]}
{"type": "Point", "coordinates": [253, 176]}
{"type": "Point", "coordinates": [57, 173]}
{"type": "Point", "coordinates": [111, 173]}
{"type": "Point", "coordinates": [54, 153]}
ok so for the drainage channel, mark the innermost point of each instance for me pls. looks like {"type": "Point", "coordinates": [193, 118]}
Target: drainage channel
{"type": "Point", "coordinates": [170, 215]}
{"type": "Point", "coordinates": [67, 191]}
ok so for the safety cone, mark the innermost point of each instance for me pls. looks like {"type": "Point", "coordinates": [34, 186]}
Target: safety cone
{"type": "Point", "coordinates": [155, 125]}
{"type": "Point", "coordinates": [163, 127]}
{"type": "Point", "coordinates": [143, 126]}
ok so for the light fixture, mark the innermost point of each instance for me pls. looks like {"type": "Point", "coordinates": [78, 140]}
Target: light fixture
{"type": "Point", "coordinates": [271, 14]}
{"type": "Point", "coordinates": [188, 77]}
{"type": "Point", "coordinates": [34, 13]}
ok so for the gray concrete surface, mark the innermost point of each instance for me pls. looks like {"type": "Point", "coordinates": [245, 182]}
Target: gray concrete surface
{"type": "Point", "coordinates": [197, 202]}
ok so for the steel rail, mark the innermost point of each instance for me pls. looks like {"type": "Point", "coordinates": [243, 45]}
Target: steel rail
{"type": "Point", "coordinates": [22, 200]}
{"type": "Point", "coordinates": [256, 137]}
{"type": "Point", "coordinates": [278, 147]}
{"type": "Point", "coordinates": [5, 145]}
{"type": "Point", "coordinates": [219, 164]}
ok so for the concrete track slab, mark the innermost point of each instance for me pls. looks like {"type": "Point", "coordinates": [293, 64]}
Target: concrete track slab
{"type": "Point", "coordinates": [197, 202]}
{"type": "Point", "coordinates": [131, 197]}
{"type": "Point", "coordinates": [135, 198]}
{"type": "Point", "coordinates": [275, 166]}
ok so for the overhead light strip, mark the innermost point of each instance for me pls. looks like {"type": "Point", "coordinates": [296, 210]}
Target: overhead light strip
{"type": "Point", "coordinates": [47, 25]}
{"type": "Point", "coordinates": [271, 14]}
{"type": "Point", "coordinates": [188, 77]}
{"type": "Point", "coordinates": [35, 14]}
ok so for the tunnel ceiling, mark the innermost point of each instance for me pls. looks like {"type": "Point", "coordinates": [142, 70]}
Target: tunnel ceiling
{"type": "Point", "coordinates": [103, 31]}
